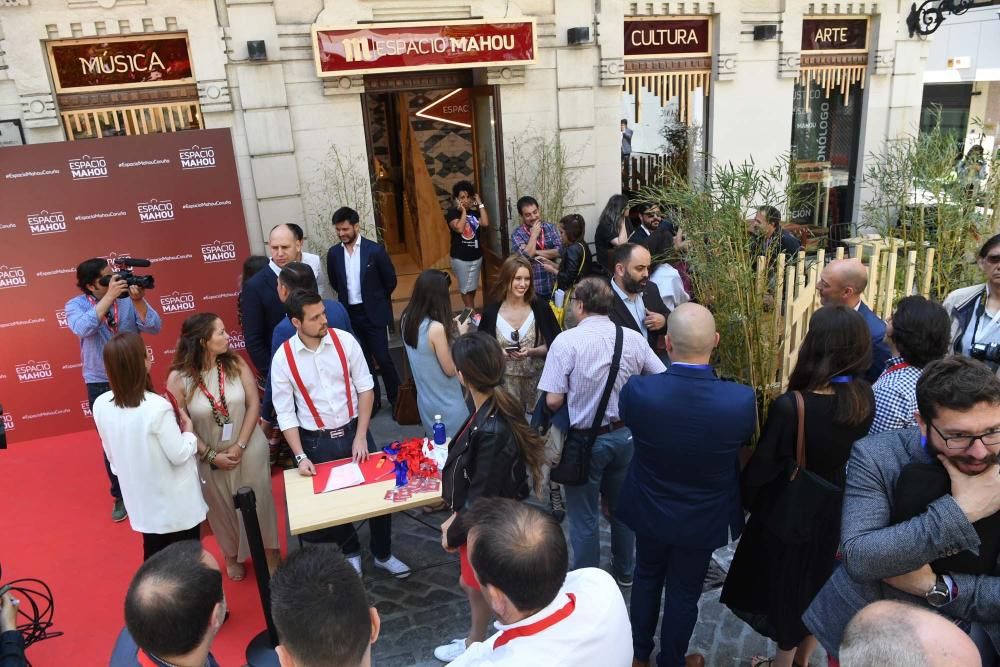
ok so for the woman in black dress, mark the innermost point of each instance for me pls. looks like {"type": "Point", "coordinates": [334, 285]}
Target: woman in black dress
{"type": "Point", "coordinates": [771, 583]}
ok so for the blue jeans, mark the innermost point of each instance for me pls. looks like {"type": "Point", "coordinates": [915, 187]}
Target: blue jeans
{"type": "Point", "coordinates": [682, 570]}
{"type": "Point", "coordinates": [609, 461]}
{"type": "Point", "coordinates": [94, 390]}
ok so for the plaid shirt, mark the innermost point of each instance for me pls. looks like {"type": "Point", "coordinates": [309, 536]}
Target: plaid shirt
{"type": "Point", "coordinates": [543, 281]}
{"type": "Point", "coordinates": [895, 397]}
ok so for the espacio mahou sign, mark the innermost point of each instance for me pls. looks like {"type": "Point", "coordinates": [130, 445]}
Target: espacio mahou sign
{"type": "Point", "coordinates": [400, 47]}
{"type": "Point", "coordinates": [173, 198]}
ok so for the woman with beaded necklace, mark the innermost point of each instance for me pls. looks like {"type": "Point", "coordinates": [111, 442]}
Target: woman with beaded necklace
{"type": "Point", "coordinates": [217, 389]}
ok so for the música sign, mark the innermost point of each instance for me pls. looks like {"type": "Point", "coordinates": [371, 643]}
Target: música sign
{"type": "Point", "coordinates": [835, 34]}
{"type": "Point", "coordinates": [400, 47]}
{"type": "Point", "coordinates": [651, 38]}
{"type": "Point", "coordinates": [83, 65]}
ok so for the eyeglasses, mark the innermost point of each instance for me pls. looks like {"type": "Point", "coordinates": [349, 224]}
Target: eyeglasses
{"type": "Point", "coordinates": [989, 439]}
{"type": "Point", "coordinates": [992, 259]}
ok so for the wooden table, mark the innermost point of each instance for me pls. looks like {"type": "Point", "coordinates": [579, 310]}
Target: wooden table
{"type": "Point", "coordinates": [308, 511]}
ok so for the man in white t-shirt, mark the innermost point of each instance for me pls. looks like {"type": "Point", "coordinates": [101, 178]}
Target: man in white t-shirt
{"type": "Point", "coordinates": [545, 616]}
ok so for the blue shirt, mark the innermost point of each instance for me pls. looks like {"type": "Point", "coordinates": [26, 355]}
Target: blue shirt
{"type": "Point", "coordinates": [81, 315]}
{"type": "Point", "coordinates": [126, 653]}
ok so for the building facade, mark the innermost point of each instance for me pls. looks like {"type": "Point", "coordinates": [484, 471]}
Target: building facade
{"type": "Point", "coordinates": [336, 101]}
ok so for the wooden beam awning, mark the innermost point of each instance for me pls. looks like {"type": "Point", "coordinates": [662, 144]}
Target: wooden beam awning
{"type": "Point", "coordinates": [833, 72]}
{"type": "Point", "coordinates": [668, 79]}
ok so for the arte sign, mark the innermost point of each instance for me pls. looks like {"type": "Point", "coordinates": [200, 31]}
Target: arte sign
{"type": "Point", "coordinates": [401, 47]}
{"type": "Point", "coordinates": [652, 38]}
{"type": "Point", "coordinates": [127, 62]}
{"type": "Point", "coordinates": [835, 34]}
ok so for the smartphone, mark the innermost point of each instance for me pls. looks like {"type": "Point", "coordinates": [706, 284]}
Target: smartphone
{"type": "Point", "coordinates": [538, 259]}
{"type": "Point", "coordinates": [464, 315]}
{"type": "Point", "coordinates": [512, 348]}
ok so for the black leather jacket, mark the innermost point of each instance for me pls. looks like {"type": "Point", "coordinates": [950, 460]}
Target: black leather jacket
{"type": "Point", "coordinates": [575, 265]}
{"type": "Point", "coordinates": [487, 463]}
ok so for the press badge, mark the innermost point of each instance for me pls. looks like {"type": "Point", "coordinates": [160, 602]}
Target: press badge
{"type": "Point", "coordinates": [227, 432]}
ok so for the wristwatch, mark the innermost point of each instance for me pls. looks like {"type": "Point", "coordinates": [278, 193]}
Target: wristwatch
{"type": "Point", "coordinates": [940, 593]}
{"type": "Point", "coordinates": [299, 458]}
{"type": "Point", "coordinates": [241, 445]}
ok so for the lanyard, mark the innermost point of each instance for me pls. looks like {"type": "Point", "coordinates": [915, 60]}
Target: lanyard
{"type": "Point", "coordinates": [979, 314]}
{"type": "Point", "coordinates": [540, 240]}
{"type": "Point", "coordinates": [220, 411]}
{"type": "Point", "coordinates": [111, 317]}
{"type": "Point", "coordinates": [537, 626]}
{"type": "Point", "coordinates": [896, 367]}
{"type": "Point", "coordinates": [293, 367]}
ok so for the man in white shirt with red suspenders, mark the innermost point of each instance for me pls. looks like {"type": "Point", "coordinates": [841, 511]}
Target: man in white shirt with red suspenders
{"type": "Point", "coordinates": [322, 392]}
{"type": "Point", "coordinates": [545, 615]}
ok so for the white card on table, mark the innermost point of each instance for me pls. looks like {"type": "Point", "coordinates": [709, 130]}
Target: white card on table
{"type": "Point", "coordinates": [344, 476]}
{"type": "Point", "coordinates": [227, 432]}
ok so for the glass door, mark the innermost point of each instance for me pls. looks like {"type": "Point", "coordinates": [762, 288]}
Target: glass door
{"type": "Point", "coordinates": [490, 177]}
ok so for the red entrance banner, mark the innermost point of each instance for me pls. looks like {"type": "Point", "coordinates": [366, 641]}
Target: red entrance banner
{"type": "Point", "coordinates": [835, 34]}
{"type": "Point", "coordinates": [172, 198]}
{"type": "Point", "coordinates": [128, 62]}
{"type": "Point", "coordinates": [657, 38]}
{"type": "Point", "coordinates": [404, 47]}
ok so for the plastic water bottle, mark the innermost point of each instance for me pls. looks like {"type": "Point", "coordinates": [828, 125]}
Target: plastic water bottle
{"type": "Point", "coordinates": [439, 435]}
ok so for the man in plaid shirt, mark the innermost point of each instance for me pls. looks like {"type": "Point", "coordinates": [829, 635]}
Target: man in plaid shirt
{"type": "Point", "coordinates": [918, 333]}
{"type": "Point", "coordinates": [534, 238]}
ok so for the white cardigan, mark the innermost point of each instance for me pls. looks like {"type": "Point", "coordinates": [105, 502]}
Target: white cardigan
{"type": "Point", "coordinates": [155, 463]}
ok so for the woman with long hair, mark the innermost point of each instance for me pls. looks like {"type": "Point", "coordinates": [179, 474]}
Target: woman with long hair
{"type": "Point", "coordinates": [428, 330]}
{"type": "Point", "coordinates": [975, 310]}
{"type": "Point", "coordinates": [613, 230]}
{"type": "Point", "coordinates": [524, 326]}
{"type": "Point", "coordinates": [154, 460]}
{"type": "Point", "coordinates": [771, 582]}
{"type": "Point", "coordinates": [490, 457]}
{"type": "Point", "coordinates": [217, 389]}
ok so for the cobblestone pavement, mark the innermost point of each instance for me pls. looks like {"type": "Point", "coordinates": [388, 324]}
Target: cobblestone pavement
{"type": "Point", "coordinates": [428, 608]}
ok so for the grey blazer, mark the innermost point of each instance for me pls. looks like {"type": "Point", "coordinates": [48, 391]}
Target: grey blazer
{"type": "Point", "coordinates": [873, 550]}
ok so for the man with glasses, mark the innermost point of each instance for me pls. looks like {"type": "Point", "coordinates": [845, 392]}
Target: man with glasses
{"type": "Point", "coordinates": [649, 221]}
{"type": "Point", "coordinates": [954, 448]}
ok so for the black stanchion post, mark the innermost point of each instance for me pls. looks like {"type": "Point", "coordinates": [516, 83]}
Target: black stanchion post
{"type": "Point", "coordinates": [260, 650]}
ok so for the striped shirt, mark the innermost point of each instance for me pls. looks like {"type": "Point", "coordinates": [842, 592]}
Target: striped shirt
{"type": "Point", "coordinates": [895, 396]}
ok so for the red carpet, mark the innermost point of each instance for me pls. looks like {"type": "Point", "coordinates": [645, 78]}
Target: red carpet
{"type": "Point", "coordinates": [56, 527]}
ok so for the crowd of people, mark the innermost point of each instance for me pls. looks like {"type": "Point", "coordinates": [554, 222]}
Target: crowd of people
{"type": "Point", "coordinates": [586, 381]}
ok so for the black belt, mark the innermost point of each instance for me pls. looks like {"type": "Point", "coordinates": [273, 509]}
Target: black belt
{"type": "Point", "coordinates": [339, 432]}
{"type": "Point", "coordinates": [604, 430]}
{"type": "Point", "coordinates": [356, 306]}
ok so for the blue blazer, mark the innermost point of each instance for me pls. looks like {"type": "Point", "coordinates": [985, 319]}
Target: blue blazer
{"type": "Point", "coordinates": [262, 311]}
{"type": "Point", "coordinates": [336, 318]}
{"type": "Point", "coordinates": [378, 279]}
{"type": "Point", "coordinates": [683, 484]}
{"type": "Point", "coordinates": [880, 350]}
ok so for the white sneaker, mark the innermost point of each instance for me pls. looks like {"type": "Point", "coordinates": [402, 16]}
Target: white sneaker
{"type": "Point", "coordinates": [394, 566]}
{"type": "Point", "coordinates": [355, 562]}
{"type": "Point", "coordinates": [450, 651]}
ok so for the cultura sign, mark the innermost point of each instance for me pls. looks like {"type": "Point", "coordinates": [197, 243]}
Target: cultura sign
{"type": "Point", "coordinates": [651, 38]}
{"type": "Point", "coordinates": [407, 46]}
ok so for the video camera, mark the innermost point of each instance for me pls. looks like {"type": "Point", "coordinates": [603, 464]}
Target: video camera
{"type": "Point", "coordinates": [126, 274]}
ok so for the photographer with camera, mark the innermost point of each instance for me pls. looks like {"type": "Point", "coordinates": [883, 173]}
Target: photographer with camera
{"type": "Point", "coordinates": [111, 303]}
{"type": "Point", "coordinates": [975, 311]}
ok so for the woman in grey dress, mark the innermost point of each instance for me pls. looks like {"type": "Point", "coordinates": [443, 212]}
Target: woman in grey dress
{"type": "Point", "coordinates": [428, 331]}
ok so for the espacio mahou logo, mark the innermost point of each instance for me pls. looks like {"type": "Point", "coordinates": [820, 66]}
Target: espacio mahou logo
{"type": "Point", "coordinates": [218, 251]}
{"type": "Point", "coordinates": [8, 422]}
{"type": "Point", "coordinates": [33, 371]}
{"type": "Point", "coordinates": [61, 319]}
{"type": "Point", "coordinates": [85, 407]}
{"type": "Point", "coordinates": [236, 340]}
{"type": "Point", "coordinates": [155, 211]}
{"type": "Point", "coordinates": [197, 157]}
{"type": "Point", "coordinates": [177, 302]}
{"type": "Point", "coordinates": [46, 222]}
{"type": "Point", "coordinates": [12, 276]}
{"type": "Point", "coordinates": [87, 167]}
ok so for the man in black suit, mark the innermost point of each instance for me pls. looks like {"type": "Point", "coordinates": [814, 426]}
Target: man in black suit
{"type": "Point", "coordinates": [262, 309]}
{"type": "Point", "coordinates": [362, 273]}
{"type": "Point", "coordinates": [638, 304]}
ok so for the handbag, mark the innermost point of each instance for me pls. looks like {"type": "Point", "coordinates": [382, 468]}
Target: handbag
{"type": "Point", "coordinates": [807, 503]}
{"type": "Point", "coordinates": [573, 468]}
{"type": "Point", "coordinates": [560, 311]}
{"type": "Point", "coordinates": [405, 411]}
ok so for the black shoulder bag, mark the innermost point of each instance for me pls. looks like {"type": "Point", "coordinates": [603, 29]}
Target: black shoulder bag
{"type": "Point", "coordinates": [574, 466]}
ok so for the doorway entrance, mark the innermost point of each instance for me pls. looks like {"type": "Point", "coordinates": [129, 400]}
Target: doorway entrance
{"type": "Point", "coordinates": [421, 142]}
